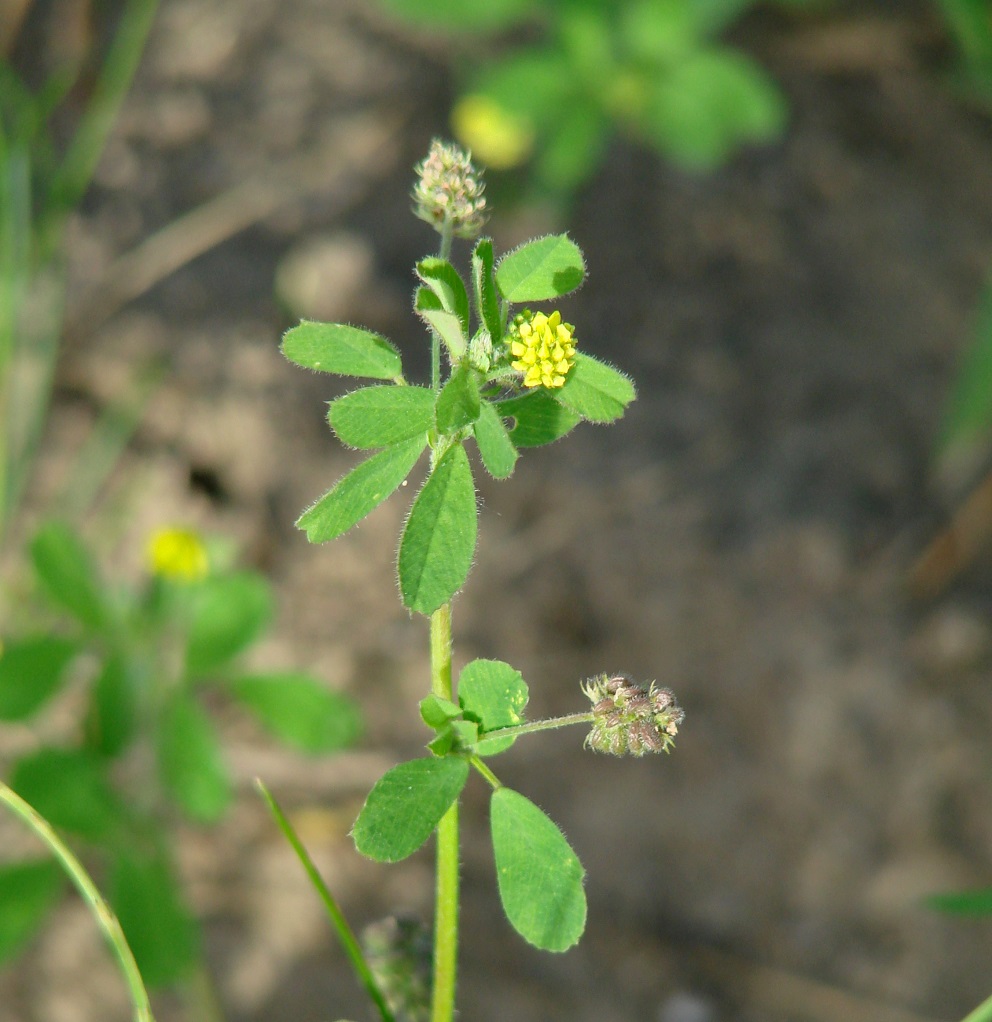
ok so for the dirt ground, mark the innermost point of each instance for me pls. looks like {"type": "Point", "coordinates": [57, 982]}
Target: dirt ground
{"type": "Point", "coordinates": [745, 535]}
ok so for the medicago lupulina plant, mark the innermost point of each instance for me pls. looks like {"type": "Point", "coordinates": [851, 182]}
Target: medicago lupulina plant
{"type": "Point", "coordinates": [505, 380]}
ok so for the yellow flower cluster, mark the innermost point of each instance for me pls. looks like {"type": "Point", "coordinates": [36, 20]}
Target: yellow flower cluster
{"type": "Point", "coordinates": [177, 553]}
{"type": "Point", "coordinates": [542, 347]}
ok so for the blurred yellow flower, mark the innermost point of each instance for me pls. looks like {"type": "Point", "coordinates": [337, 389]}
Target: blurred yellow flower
{"type": "Point", "coordinates": [177, 553]}
{"type": "Point", "coordinates": [498, 137]}
{"type": "Point", "coordinates": [543, 348]}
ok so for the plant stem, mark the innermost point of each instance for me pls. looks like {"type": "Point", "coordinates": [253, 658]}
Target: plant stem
{"type": "Point", "coordinates": [446, 893]}
{"type": "Point", "coordinates": [98, 906]}
{"type": "Point", "coordinates": [345, 933]}
{"type": "Point", "coordinates": [549, 724]}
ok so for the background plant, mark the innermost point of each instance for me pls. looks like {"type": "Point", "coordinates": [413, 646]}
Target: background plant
{"type": "Point", "coordinates": [143, 752]}
{"type": "Point", "coordinates": [503, 381]}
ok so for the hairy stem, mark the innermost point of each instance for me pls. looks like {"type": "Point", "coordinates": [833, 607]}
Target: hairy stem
{"type": "Point", "coordinates": [446, 894]}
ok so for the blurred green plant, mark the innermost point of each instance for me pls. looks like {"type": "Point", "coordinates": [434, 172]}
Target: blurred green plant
{"type": "Point", "coordinates": [653, 70]}
{"type": "Point", "coordinates": [42, 181]}
{"type": "Point", "coordinates": [970, 25]}
{"type": "Point", "coordinates": [143, 751]}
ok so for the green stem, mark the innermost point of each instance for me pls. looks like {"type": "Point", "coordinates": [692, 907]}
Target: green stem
{"type": "Point", "coordinates": [549, 724]}
{"type": "Point", "coordinates": [345, 933]}
{"type": "Point", "coordinates": [98, 907]}
{"type": "Point", "coordinates": [446, 894]}
{"type": "Point", "coordinates": [983, 1013]}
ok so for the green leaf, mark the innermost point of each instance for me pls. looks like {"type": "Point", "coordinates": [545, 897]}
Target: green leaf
{"type": "Point", "coordinates": [31, 671]}
{"type": "Point", "coordinates": [382, 415]}
{"type": "Point", "coordinates": [227, 614]}
{"type": "Point", "coordinates": [458, 404]}
{"type": "Point", "coordinates": [595, 391]}
{"type": "Point", "coordinates": [538, 270]}
{"type": "Point", "coordinates": [66, 570]}
{"type": "Point", "coordinates": [495, 446]}
{"type": "Point", "coordinates": [456, 15]}
{"type": "Point", "coordinates": [539, 418]}
{"type": "Point", "coordinates": [963, 903]}
{"type": "Point", "coordinates": [300, 710]}
{"type": "Point", "coordinates": [190, 760]}
{"type": "Point", "coordinates": [435, 712]}
{"type": "Point", "coordinates": [110, 722]}
{"type": "Point", "coordinates": [360, 491]}
{"type": "Point", "coordinates": [484, 289]}
{"type": "Point", "coordinates": [494, 695]}
{"type": "Point", "coordinates": [428, 306]}
{"type": "Point", "coordinates": [449, 288]}
{"type": "Point", "coordinates": [539, 876]}
{"type": "Point", "coordinates": [346, 350]}
{"type": "Point", "coordinates": [704, 107]}
{"type": "Point", "coordinates": [438, 541]}
{"type": "Point", "coordinates": [70, 789]}
{"type": "Point", "coordinates": [405, 806]}
{"type": "Point", "coordinates": [160, 929]}
{"type": "Point", "coordinates": [28, 893]}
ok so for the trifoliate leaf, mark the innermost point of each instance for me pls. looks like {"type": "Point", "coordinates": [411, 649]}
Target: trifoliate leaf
{"type": "Point", "coordinates": [360, 491]}
{"type": "Point", "coordinates": [539, 876]}
{"type": "Point", "coordinates": [495, 446]}
{"type": "Point", "coordinates": [493, 694]}
{"type": "Point", "coordinates": [405, 806]}
{"type": "Point", "coordinates": [595, 391]}
{"type": "Point", "coordinates": [379, 416]}
{"type": "Point", "coordinates": [438, 541]}
{"type": "Point", "coordinates": [539, 270]}
{"type": "Point", "coordinates": [346, 350]}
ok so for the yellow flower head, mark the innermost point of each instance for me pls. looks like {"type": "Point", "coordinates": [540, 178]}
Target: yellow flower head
{"type": "Point", "coordinates": [499, 137]}
{"type": "Point", "coordinates": [543, 348]}
{"type": "Point", "coordinates": [177, 553]}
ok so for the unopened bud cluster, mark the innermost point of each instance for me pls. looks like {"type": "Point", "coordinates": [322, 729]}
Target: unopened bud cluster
{"type": "Point", "coordinates": [398, 952]}
{"type": "Point", "coordinates": [630, 720]}
{"type": "Point", "coordinates": [449, 190]}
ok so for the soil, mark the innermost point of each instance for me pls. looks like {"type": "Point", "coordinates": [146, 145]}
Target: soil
{"type": "Point", "coordinates": [746, 535]}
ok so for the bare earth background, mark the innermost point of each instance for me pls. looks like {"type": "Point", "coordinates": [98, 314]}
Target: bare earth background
{"type": "Point", "coordinates": [745, 535]}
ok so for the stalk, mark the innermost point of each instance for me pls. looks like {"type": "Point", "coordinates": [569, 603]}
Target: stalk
{"type": "Point", "coordinates": [446, 893]}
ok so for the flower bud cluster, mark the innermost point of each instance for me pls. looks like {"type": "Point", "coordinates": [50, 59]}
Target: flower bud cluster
{"type": "Point", "coordinates": [449, 190]}
{"type": "Point", "coordinates": [629, 719]}
{"type": "Point", "coordinates": [398, 951]}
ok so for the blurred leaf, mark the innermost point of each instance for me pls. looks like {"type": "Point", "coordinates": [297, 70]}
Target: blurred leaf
{"type": "Point", "coordinates": [458, 403]}
{"type": "Point", "coordinates": [484, 288]}
{"type": "Point", "coordinates": [227, 614]}
{"type": "Point", "coordinates": [495, 446]}
{"type": "Point", "coordinates": [494, 695]}
{"type": "Point", "coordinates": [539, 418]}
{"type": "Point", "coordinates": [405, 805]}
{"type": "Point", "coordinates": [539, 876]}
{"type": "Point", "coordinates": [69, 787]}
{"type": "Point", "coordinates": [538, 270]}
{"type": "Point", "coordinates": [967, 415]}
{"type": "Point", "coordinates": [31, 671]}
{"type": "Point", "coordinates": [67, 572]}
{"type": "Point", "coordinates": [595, 391]}
{"type": "Point", "coordinates": [963, 903]}
{"type": "Point", "coordinates": [360, 491]}
{"type": "Point", "coordinates": [300, 710]}
{"type": "Point", "coordinates": [28, 893]}
{"type": "Point", "coordinates": [190, 760]}
{"type": "Point", "coordinates": [660, 31]}
{"type": "Point", "coordinates": [456, 15]}
{"type": "Point", "coordinates": [346, 350]}
{"type": "Point", "coordinates": [449, 288]}
{"type": "Point", "coordinates": [448, 326]}
{"type": "Point", "coordinates": [382, 415]}
{"type": "Point", "coordinates": [438, 541]}
{"type": "Point", "coordinates": [572, 148]}
{"type": "Point", "coordinates": [110, 722]}
{"type": "Point", "coordinates": [706, 106]}
{"type": "Point", "coordinates": [158, 925]}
